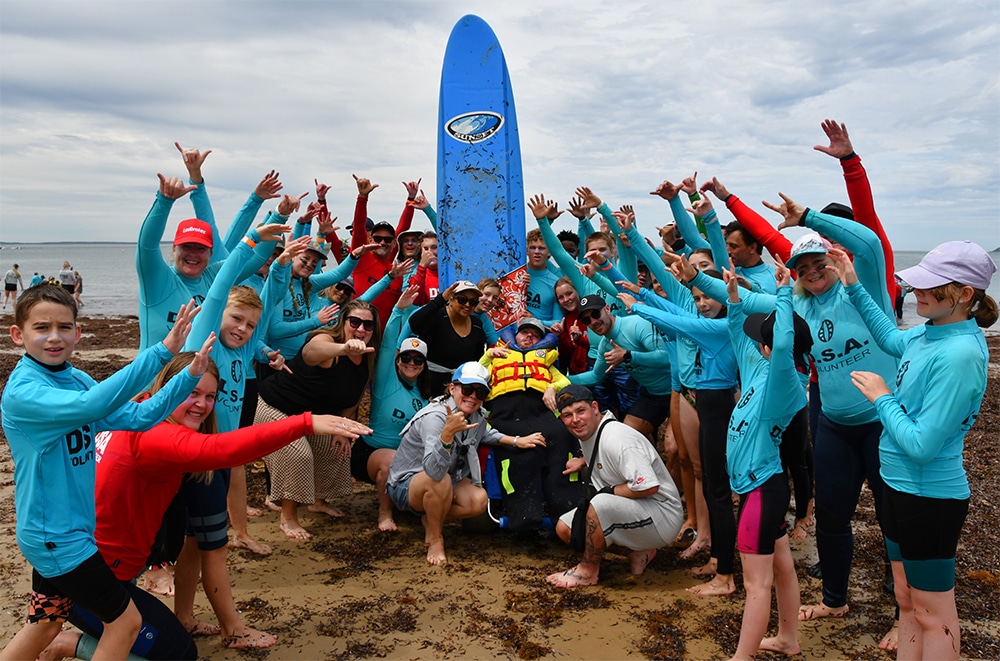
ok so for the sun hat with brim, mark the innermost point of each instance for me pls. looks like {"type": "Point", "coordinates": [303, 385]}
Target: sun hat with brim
{"type": "Point", "coordinates": [808, 244]}
{"type": "Point", "coordinates": [322, 247]}
{"type": "Point", "coordinates": [472, 373]}
{"type": "Point", "coordinates": [414, 344]}
{"type": "Point", "coordinates": [963, 262]}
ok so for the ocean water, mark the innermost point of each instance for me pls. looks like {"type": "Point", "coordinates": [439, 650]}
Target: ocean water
{"type": "Point", "coordinates": [111, 285]}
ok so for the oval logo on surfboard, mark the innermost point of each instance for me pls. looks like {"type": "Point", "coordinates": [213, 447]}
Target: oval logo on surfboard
{"type": "Point", "coordinates": [474, 126]}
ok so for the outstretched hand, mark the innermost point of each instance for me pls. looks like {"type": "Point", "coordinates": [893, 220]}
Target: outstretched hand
{"type": "Point", "coordinates": [290, 204]}
{"type": "Point", "coordinates": [666, 190]}
{"type": "Point", "coordinates": [690, 184]}
{"type": "Point", "coordinates": [840, 143]}
{"type": "Point", "coordinates": [702, 207]}
{"type": "Point", "coordinates": [193, 160]}
{"type": "Point", "coordinates": [454, 423]}
{"type": "Point", "coordinates": [732, 282]}
{"type": "Point", "coordinates": [577, 208]}
{"type": "Point", "coordinates": [174, 341]}
{"type": "Point", "coordinates": [399, 269]}
{"type": "Point", "coordinates": [173, 188]}
{"type": "Point", "coordinates": [335, 425]}
{"type": "Point", "coordinates": [412, 188]}
{"type": "Point", "coordinates": [200, 362]}
{"type": "Point", "coordinates": [627, 299]}
{"type": "Point", "coordinates": [540, 207]}
{"type": "Point", "coordinates": [409, 295]}
{"type": "Point", "coordinates": [782, 276]}
{"type": "Point", "coordinates": [365, 186]}
{"type": "Point", "coordinates": [790, 210]}
{"type": "Point", "coordinates": [269, 187]}
{"type": "Point", "coordinates": [272, 231]}
{"type": "Point", "coordinates": [588, 198]}
{"type": "Point", "coordinates": [716, 187]}
{"type": "Point", "coordinates": [293, 249]}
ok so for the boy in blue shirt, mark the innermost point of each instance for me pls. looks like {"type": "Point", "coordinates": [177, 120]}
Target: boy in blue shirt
{"type": "Point", "coordinates": [53, 452]}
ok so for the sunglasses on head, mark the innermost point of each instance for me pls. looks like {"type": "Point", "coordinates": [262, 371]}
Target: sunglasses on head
{"type": "Point", "coordinates": [415, 358]}
{"type": "Point", "coordinates": [465, 300]}
{"type": "Point", "coordinates": [476, 390]}
{"type": "Point", "coordinates": [382, 238]}
{"type": "Point", "coordinates": [358, 322]}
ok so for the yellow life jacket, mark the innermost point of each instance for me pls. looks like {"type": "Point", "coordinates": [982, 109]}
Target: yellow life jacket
{"type": "Point", "coordinates": [523, 370]}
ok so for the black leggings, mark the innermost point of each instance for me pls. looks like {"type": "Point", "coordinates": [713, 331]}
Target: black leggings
{"type": "Point", "coordinates": [714, 410]}
{"type": "Point", "coordinates": [797, 460]}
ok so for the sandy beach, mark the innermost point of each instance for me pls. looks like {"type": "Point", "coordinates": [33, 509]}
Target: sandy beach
{"type": "Point", "coordinates": [353, 592]}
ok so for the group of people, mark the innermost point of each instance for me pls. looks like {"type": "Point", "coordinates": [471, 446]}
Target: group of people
{"type": "Point", "coordinates": [67, 279]}
{"type": "Point", "coordinates": [263, 344]}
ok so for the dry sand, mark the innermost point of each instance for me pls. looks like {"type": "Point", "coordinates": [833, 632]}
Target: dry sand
{"type": "Point", "coordinates": [354, 592]}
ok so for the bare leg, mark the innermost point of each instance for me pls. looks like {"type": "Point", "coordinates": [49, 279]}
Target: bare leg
{"type": "Point", "coordinates": [786, 585]}
{"type": "Point", "coordinates": [215, 579]}
{"type": "Point", "coordinates": [378, 471]}
{"type": "Point", "coordinates": [236, 500]}
{"type": "Point", "coordinates": [937, 618]}
{"type": "Point", "coordinates": [588, 570]}
{"type": "Point", "coordinates": [758, 577]}
{"type": "Point", "coordinates": [63, 647]}
{"type": "Point", "coordinates": [687, 471]}
{"type": "Point", "coordinates": [30, 641]}
{"type": "Point", "coordinates": [290, 520]}
{"type": "Point", "coordinates": [433, 498]}
{"type": "Point", "coordinates": [690, 426]}
{"type": "Point", "coordinates": [642, 426]}
{"type": "Point", "coordinates": [186, 573]}
{"type": "Point", "coordinates": [639, 560]}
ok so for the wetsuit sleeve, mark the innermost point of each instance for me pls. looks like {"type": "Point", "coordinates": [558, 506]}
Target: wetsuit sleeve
{"type": "Point", "coordinates": [944, 410]}
{"type": "Point", "coordinates": [153, 271]}
{"type": "Point", "coordinates": [627, 263]}
{"type": "Point", "coordinates": [774, 241]}
{"type": "Point", "coordinates": [372, 292]}
{"type": "Point", "coordinates": [596, 374]}
{"type": "Point", "coordinates": [140, 416]}
{"type": "Point", "coordinates": [170, 445]}
{"type": "Point", "coordinates": [713, 228]}
{"type": "Point", "coordinates": [432, 217]}
{"type": "Point", "coordinates": [675, 291]}
{"type": "Point", "coordinates": [359, 233]}
{"type": "Point", "coordinates": [686, 225]}
{"type": "Point", "coordinates": [882, 326]}
{"type": "Point", "coordinates": [869, 261]}
{"type": "Point", "coordinates": [405, 218]}
{"type": "Point", "coordinates": [653, 354]}
{"type": "Point", "coordinates": [753, 301]}
{"type": "Point", "coordinates": [859, 191]}
{"type": "Point", "coordinates": [584, 228]}
{"type": "Point", "coordinates": [700, 331]}
{"type": "Point", "coordinates": [778, 401]}
{"type": "Point", "coordinates": [203, 211]}
{"type": "Point", "coordinates": [242, 222]}
{"type": "Point", "coordinates": [334, 275]}
{"type": "Point", "coordinates": [488, 328]}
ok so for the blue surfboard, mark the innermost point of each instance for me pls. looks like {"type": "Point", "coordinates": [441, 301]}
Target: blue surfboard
{"type": "Point", "coordinates": [480, 189]}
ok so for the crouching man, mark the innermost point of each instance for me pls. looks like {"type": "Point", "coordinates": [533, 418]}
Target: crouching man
{"type": "Point", "coordinates": [436, 469]}
{"type": "Point", "coordinates": [637, 505]}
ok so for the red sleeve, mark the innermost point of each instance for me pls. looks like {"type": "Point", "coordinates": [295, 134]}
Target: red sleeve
{"type": "Point", "coordinates": [859, 191]}
{"type": "Point", "coordinates": [336, 246]}
{"type": "Point", "coordinates": [775, 242]}
{"type": "Point", "coordinates": [420, 279]}
{"type": "Point", "coordinates": [359, 233]}
{"type": "Point", "coordinates": [405, 218]}
{"type": "Point", "coordinates": [176, 445]}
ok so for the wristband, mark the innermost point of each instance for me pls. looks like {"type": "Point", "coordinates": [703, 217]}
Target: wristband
{"type": "Point", "coordinates": [606, 267]}
{"type": "Point", "coordinates": [710, 216]}
{"type": "Point", "coordinates": [610, 490]}
{"type": "Point", "coordinates": [515, 440]}
{"type": "Point", "coordinates": [250, 242]}
{"type": "Point", "coordinates": [447, 446]}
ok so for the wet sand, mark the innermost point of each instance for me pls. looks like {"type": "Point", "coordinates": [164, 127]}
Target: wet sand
{"type": "Point", "coordinates": [353, 592]}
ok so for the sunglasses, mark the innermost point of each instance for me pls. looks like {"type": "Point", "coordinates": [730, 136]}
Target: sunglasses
{"type": "Point", "coordinates": [344, 289]}
{"type": "Point", "coordinates": [358, 322]}
{"type": "Point", "coordinates": [464, 300]}
{"type": "Point", "coordinates": [586, 318]}
{"type": "Point", "coordinates": [382, 238]}
{"type": "Point", "coordinates": [415, 358]}
{"type": "Point", "coordinates": [474, 390]}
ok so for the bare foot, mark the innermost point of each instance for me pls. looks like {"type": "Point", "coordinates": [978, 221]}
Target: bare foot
{"type": "Point", "coordinates": [385, 522]}
{"type": "Point", "coordinates": [248, 542]}
{"type": "Point", "coordinates": [294, 530]}
{"type": "Point", "coordinates": [323, 507]}
{"type": "Point", "coordinates": [800, 531]}
{"type": "Point", "coordinates": [639, 559]}
{"type": "Point", "coordinates": [781, 646]}
{"type": "Point", "coordinates": [890, 641]}
{"type": "Point", "coordinates": [717, 587]}
{"type": "Point", "coordinates": [62, 647]}
{"type": "Point", "coordinates": [199, 628]}
{"type": "Point", "coordinates": [254, 512]}
{"type": "Point", "coordinates": [700, 544]}
{"type": "Point", "coordinates": [435, 553]}
{"type": "Point", "coordinates": [248, 638]}
{"type": "Point", "coordinates": [816, 611]}
{"type": "Point", "coordinates": [707, 569]}
{"type": "Point", "coordinates": [271, 505]}
{"type": "Point", "coordinates": [572, 578]}
{"type": "Point", "coordinates": [159, 581]}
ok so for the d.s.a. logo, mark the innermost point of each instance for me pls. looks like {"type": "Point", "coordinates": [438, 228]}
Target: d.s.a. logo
{"type": "Point", "coordinates": [825, 333]}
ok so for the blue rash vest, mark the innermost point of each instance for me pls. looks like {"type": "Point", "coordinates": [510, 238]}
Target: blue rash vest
{"type": "Point", "coordinates": [394, 401]}
{"type": "Point", "coordinates": [687, 228]}
{"type": "Point", "coordinates": [292, 320]}
{"type": "Point", "coordinates": [715, 368]}
{"type": "Point", "coordinates": [842, 342]}
{"type": "Point", "coordinates": [771, 393]}
{"type": "Point", "coordinates": [51, 418]}
{"type": "Point", "coordinates": [235, 363]}
{"type": "Point", "coordinates": [162, 291]}
{"type": "Point", "coordinates": [760, 276]}
{"type": "Point", "coordinates": [650, 364]}
{"type": "Point", "coordinates": [937, 393]}
{"type": "Point", "coordinates": [687, 350]}
{"type": "Point", "coordinates": [541, 297]}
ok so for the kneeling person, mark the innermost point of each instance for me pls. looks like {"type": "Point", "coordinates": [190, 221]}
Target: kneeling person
{"type": "Point", "coordinates": [637, 505]}
{"type": "Point", "coordinates": [436, 469]}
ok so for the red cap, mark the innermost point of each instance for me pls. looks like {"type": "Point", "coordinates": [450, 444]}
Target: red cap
{"type": "Point", "coordinates": [193, 230]}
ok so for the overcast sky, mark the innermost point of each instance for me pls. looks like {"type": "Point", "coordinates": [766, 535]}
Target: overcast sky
{"type": "Point", "coordinates": [617, 96]}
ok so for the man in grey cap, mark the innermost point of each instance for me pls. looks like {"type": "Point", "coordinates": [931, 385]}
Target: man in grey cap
{"type": "Point", "coordinates": [636, 506]}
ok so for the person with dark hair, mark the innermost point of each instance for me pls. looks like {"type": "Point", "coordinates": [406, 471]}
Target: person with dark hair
{"type": "Point", "coordinates": [11, 282]}
{"type": "Point", "coordinates": [570, 242]}
{"type": "Point", "coordinates": [636, 505]}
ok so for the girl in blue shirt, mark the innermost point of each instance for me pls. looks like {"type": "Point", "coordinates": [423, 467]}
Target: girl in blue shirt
{"type": "Point", "coordinates": [934, 401]}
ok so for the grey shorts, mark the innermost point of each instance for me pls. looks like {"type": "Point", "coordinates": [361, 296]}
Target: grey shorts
{"type": "Point", "coordinates": [635, 523]}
